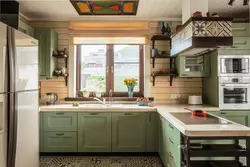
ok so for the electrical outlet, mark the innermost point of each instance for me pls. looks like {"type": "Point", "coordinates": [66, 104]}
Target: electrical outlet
{"type": "Point", "coordinates": [175, 96]}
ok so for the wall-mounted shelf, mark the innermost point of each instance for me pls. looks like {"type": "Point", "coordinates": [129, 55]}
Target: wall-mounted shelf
{"type": "Point", "coordinates": [62, 75]}
{"type": "Point", "coordinates": [160, 38]}
{"type": "Point", "coordinates": [62, 55]}
{"type": "Point", "coordinates": [163, 57]}
{"type": "Point", "coordinates": [171, 75]}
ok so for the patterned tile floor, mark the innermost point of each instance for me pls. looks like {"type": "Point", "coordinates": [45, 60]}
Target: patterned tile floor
{"type": "Point", "coordinates": [90, 161]}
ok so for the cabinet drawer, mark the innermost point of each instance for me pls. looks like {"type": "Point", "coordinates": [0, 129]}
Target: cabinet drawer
{"type": "Point", "coordinates": [240, 29]}
{"type": "Point", "coordinates": [241, 43]}
{"type": "Point", "coordinates": [59, 121]}
{"type": "Point", "coordinates": [174, 151]}
{"type": "Point", "coordinates": [59, 142]}
{"type": "Point", "coordinates": [173, 133]}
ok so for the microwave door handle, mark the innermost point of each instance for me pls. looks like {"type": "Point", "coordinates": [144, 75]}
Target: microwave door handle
{"type": "Point", "coordinates": [236, 85]}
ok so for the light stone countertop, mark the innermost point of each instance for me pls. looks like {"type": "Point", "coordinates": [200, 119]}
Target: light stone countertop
{"type": "Point", "coordinates": [198, 130]}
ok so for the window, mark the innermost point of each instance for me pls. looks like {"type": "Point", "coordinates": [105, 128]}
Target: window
{"type": "Point", "coordinates": [101, 68]}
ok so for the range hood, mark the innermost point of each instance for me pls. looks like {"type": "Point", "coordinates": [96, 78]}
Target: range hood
{"type": "Point", "coordinates": [201, 35]}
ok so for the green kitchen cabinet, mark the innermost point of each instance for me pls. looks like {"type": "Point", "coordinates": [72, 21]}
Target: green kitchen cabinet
{"type": "Point", "coordinates": [59, 142]}
{"type": "Point", "coordinates": [193, 66]}
{"type": "Point", "coordinates": [25, 28]}
{"type": "Point", "coordinates": [240, 29]}
{"type": "Point", "coordinates": [152, 132]}
{"type": "Point", "coordinates": [160, 139]}
{"type": "Point", "coordinates": [48, 42]}
{"type": "Point", "coordinates": [240, 117]}
{"type": "Point", "coordinates": [59, 121]}
{"type": "Point", "coordinates": [169, 142]}
{"type": "Point", "coordinates": [94, 132]}
{"type": "Point", "coordinates": [240, 43]}
{"type": "Point", "coordinates": [128, 132]}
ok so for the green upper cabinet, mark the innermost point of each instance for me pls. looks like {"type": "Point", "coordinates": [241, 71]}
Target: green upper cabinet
{"type": "Point", "coordinates": [152, 132]}
{"type": "Point", "coordinates": [59, 121]}
{"type": "Point", "coordinates": [25, 28]}
{"type": "Point", "coordinates": [128, 132]}
{"type": "Point", "coordinates": [240, 29]}
{"type": "Point", "coordinates": [240, 117]}
{"type": "Point", "coordinates": [197, 66]}
{"type": "Point", "coordinates": [47, 44]}
{"type": "Point", "coordinates": [94, 132]}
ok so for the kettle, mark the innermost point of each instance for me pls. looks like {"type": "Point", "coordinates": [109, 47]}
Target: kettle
{"type": "Point", "coordinates": [51, 98]}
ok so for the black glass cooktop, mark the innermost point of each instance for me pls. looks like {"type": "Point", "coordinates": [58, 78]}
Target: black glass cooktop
{"type": "Point", "coordinates": [188, 119]}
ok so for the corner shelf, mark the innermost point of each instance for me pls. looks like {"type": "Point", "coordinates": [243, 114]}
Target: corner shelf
{"type": "Point", "coordinates": [171, 75]}
{"type": "Point", "coordinates": [62, 75]}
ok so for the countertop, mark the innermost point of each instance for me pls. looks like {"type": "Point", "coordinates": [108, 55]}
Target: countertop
{"type": "Point", "coordinates": [165, 111]}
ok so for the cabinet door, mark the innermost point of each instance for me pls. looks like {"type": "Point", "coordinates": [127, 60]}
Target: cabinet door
{"type": "Point", "coordinates": [151, 132]}
{"type": "Point", "coordinates": [44, 43]}
{"type": "Point", "coordinates": [165, 142]}
{"type": "Point", "coordinates": [94, 132]}
{"type": "Point", "coordinates": [59, 121]}
{"type": "Point", "coordinates": [240, 29]}
{"type": "Point", "coordinates": [193, 66]}
{"type": "Point", "coordinates": [160, 138]}
{"type": "Point", "coordinates": [47, 44]}
{"type": "Point", "coordinates": [241, 43]}
{"type": "Point", "coordinates": [128, 132]}
{"type": "Point", "coordinates": [240, 117]}
{"type": "Point", "coordinates": [59, 142]}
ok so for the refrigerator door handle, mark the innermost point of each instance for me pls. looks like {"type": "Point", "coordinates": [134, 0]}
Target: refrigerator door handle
{"type": "Point", "coordinates": [12, 115]}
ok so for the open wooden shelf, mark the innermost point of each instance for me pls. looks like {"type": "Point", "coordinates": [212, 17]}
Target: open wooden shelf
{"type": "Point", "coordinates": [171, 75]}
{"type": "Point", "coordinates": [62, 75]}
{"type": "Point", "coordinates": [62, 55]}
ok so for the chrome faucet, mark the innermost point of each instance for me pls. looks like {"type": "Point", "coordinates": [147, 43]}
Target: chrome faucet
{"type": "Point", "coordinates": [110, 96]}
{"type": "Point", "coordinates": [101, 101]}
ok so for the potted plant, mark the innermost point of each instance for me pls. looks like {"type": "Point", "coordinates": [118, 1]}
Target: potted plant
{"type": "Point", "coordinates": [85, 92]}
{"type": "Point", "coordinates": [130, 83]}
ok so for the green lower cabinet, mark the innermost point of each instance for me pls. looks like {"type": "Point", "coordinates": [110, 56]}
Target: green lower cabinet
{"type": "Point", "coordinates": [152, 132]}
{"type": "Point", "coordinates": [94, 132]}
{"type": "Point", "coordinates": [59, 142]}
{"type": "Point", "coordinates": [128, 132]}
{"type": "Point", "coordinates": [160, 138]}
{"type": "Point", "coordinates": [59, 121]}
{"type": "Point", "coordinates": [240, 117]}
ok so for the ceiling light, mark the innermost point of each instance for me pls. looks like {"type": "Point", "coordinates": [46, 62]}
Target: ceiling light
{"type": "Point", "coordinates": [105, 7]}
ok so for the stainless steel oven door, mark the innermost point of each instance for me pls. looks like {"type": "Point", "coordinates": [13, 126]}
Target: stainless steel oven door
{"type": "Point", "coordinates": [234, 65]}
{"type": "Point", "coordinates": [234, 96]}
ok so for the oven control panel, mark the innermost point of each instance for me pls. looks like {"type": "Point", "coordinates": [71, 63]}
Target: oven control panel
{"type": "Point", "coordinates": [234, 80]}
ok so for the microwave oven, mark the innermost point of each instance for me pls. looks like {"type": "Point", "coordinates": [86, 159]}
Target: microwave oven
{"type": "Point", "coordinates": [234, 66]}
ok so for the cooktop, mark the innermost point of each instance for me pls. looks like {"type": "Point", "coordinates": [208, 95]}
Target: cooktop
{"type": "Point", "coordinates": [189, 119]}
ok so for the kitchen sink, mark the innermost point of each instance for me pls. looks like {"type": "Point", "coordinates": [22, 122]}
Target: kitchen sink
{"type": "Point", "coordinates": [102, 106]}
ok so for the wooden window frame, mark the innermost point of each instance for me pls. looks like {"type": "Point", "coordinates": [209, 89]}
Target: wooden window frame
{"type": "Point", "coordinates": [110, 72]}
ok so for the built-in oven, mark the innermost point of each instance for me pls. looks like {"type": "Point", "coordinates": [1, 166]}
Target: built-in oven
{"type": "Point", "coordinates": [234, 93]}
{"type": "Point", "coordinates": [234, 65]}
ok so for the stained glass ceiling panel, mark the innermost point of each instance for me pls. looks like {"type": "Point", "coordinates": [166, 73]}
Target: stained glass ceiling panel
{"type": "Point", "coordinates": [105, 7]}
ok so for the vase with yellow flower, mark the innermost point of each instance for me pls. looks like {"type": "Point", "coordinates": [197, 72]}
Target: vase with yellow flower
{"type": "Point", "coordinates": [130, 83]}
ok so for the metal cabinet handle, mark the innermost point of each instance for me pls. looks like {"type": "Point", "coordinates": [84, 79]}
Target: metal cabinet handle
{"type": "Point", "coordinates": [170, 154]}
{"type": "Point", "coordinates": [171, 126]}
{"type": "Point", "coordinates": [128, 114]}
{"type": "Point", "coordinates": [223, 113]}
{"type": "Point", "coordinates": [170, 140]}
{"type": "Point", "coordinates": [94, 113]}
{"type": "Point", "coordinates": [60, 134]}
{"type": "Point", "coordinates": [60, 113]}
{"type": "Point", "coordinates": [150, 117]}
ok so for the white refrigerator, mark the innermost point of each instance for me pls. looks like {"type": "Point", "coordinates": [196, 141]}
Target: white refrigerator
{"type": "Point", "coordinates": [19, 115]}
